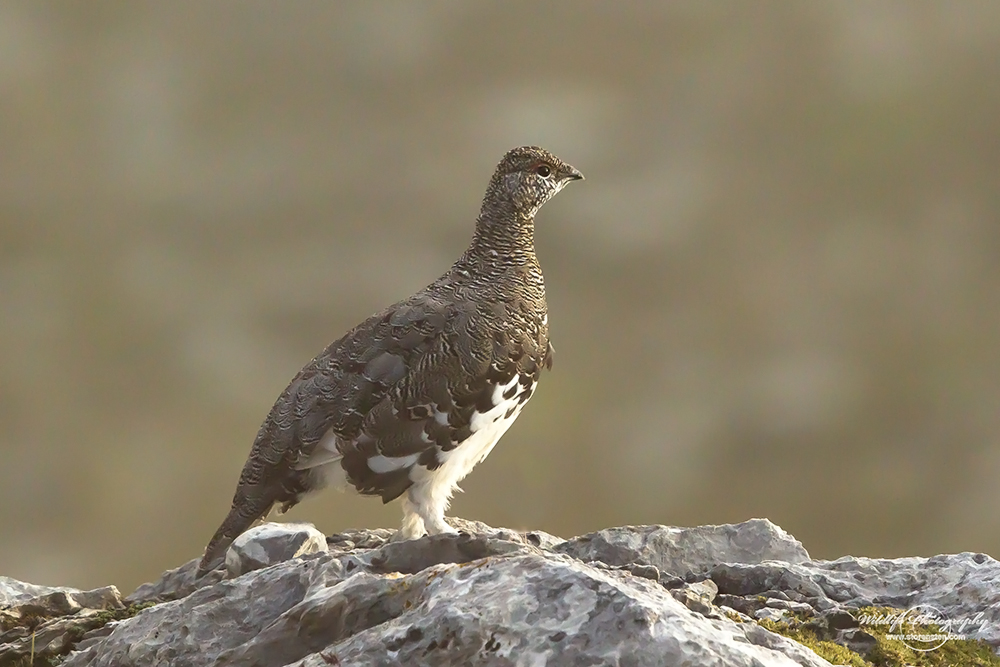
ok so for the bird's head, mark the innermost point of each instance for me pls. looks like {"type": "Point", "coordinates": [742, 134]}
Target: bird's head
{"type": "Point", "coordinates": [527, 177]}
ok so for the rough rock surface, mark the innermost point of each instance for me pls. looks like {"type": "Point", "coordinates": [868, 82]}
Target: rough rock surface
{"type": "Point", "coordinates": [485, 596]}
{"type": "Point", "coordinates": [643, 595]}
{"type": "Point", "coordinates": [272, 543]}
{"type": "Point", "coordinates": [14, 592]}
{"type": "Point", "coordinates": [965, 586]}
{"type": "Point", "coordinates": [52, 621]}
{"type": "Point", "coordinates": [687, 552]}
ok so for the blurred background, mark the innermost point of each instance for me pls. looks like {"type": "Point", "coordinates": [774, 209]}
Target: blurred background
{"type": "Point", "coordinates": [776, 294]}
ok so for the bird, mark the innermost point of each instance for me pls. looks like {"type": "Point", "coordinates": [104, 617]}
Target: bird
{"type": "Point", "coordinates": [406, 403]}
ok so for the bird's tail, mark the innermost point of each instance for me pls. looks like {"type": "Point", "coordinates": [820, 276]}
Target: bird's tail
{"type": "Point", "coordinates": [244, 512]}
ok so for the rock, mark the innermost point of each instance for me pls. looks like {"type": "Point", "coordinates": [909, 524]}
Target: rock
{"type": "Point", "coordinates": [271, 543]}
{"type": "Point", "coordinates": [840, 620]}
{"type": "Point", "coordinates": [51, 638]}
{"type": "Point", "coordinates": [698, 597]}
{"type": "Point", "coordinates": [769, 614]}
{"type": "Point", "coordinates": [777, 595]}
{"type": "Point", "coordinates": [647, 572]}
{"type": "Point", "coordinates": [686, 552]}
{"type": "Point", "coordinates": [50, 623]}
{"type": "Point", "coordinates": [361, 539]}
{"type": "Point", "coordinates": [14, 592]}
{"type": "Point", "coordinates": [360, 548]}
{"type": "Point", "coordinates": [743, 580]}
{"type": "Point", "coordinates": [174, 584]}
{"type": "Point", "coordinates": [824, 605]}
{"type": "Point", "coordinates": [416, 556]}
{"type": "Point", "coordinates": [106, 597]}
{"type": "Point", "coordinates": [58, 603]}
{"type": "Point", "coordinates": [62, 603]}
{"type": "Point", "coordinates": [965, 587]}
{"type": "Point", "coordinates": [789, 605]}
{"type": "Point", "coordinates": [534, 538]}
{"type": "Point", "coordinates": [488, 596]}
{"type": "Point", "coordinates": [542, 540]}
{"type": "Point", "coordinates": [519, 607]}
{"type": "Point", "coordinates": [793, 650]}
{"type": "Point", "coordinates": [208, 621]}
{"type": "Point", "coordinates": [856, 640]}
{"type": "Point", "coordinates": [747, 606]}
{"type": "Point", "coordinates": [735, 615]}
{"type": "Point", "coordinates": [571, 615]}
{"type": "Point", "coordinates": [706, 589]}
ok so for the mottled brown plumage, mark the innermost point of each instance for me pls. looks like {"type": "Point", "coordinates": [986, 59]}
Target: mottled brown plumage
{"type": "Point", "coordinates": [413, 397]}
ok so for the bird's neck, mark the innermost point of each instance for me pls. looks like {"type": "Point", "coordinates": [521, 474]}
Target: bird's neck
{"type": "Point", "coordinates": [501, 259]}
{"type": "Point", "coordinates": [504, 237]}
{"type": "Point", "coordinates": [511, 237]}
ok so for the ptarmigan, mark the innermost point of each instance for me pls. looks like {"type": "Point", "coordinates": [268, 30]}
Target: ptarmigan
{"type": "Point", "coordinates": [411, 399]}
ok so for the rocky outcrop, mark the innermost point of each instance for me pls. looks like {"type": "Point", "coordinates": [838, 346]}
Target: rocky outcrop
{"type": "Point", "coordinates": [964, 588]}
{"type": "Point", "coordinates": [642, 595]}
{"type": "Point", "coordinates": [48, 621]}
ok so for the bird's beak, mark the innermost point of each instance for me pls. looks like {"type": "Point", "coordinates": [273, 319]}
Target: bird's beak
{"type": "Point", "coordinates": [573, 174]}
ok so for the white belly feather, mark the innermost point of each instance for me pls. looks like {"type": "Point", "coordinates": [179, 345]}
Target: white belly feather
{"type": "Point", "coordinates": [432, 489]}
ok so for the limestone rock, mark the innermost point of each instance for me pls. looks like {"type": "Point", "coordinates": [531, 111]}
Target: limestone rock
{"type": "Point", "coordinates": [965, 587]}
{"type": "Point", "coordinates": [513, 608]}
{"type": "Point", "coordinates": [174, 584]}
{"type": "Point", "coordinates": [791, 605]}
{"type": "Point", "coordinates": [698, 597]}
{"type": "Point", "coordinates": [531, 609]}
{"type": "Point", "coordinates": [776, 615]}
{"type": "Point", "coordinates": [14, 592]}
{"type": "Point", "coordinates": [50, 623]}
{"type": "Point", "coordinates": [684, 552]}
{"type": "Point", "coordinates": [272, 543]}
{"type": "Point", "coordinates": [646, 595]}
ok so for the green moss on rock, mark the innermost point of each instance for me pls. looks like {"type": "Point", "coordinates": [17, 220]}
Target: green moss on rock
{"type": "Point", "coordinates": [829, 651]}
{"type": "Point", "coordinates": [889, 652]}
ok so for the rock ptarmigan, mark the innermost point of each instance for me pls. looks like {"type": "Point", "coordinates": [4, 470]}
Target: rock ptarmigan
{"type": "Point", "coordinates": [411, 399]}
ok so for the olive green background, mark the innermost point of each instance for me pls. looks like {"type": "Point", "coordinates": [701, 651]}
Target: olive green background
{"type": "Point", "coordinates": [776, 294]}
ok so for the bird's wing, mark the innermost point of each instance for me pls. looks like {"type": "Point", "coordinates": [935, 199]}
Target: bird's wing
{"type": "Point", "coordinates": [430, 411]}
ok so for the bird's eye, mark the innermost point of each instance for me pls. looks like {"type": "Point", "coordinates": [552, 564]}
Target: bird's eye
{"type": "Point", "coordinates": [543, 170]}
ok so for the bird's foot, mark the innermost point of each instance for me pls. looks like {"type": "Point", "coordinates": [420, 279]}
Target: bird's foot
{"type": "Point", "coordinates": [438, 526]}
{"type": "Point", "coordinates": [412, 528]}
